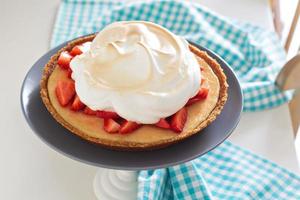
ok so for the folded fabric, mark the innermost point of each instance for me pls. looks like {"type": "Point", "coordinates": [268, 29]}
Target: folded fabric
{"type": "Point", "coordinates": [228, 172]}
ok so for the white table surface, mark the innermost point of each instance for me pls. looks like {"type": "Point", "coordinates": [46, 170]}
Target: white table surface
{"type": "Point", "coordinates": [31, 170]}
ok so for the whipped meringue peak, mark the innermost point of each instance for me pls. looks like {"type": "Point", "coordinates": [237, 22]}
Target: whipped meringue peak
{"type": "Point", "coordinates": [137, 69]}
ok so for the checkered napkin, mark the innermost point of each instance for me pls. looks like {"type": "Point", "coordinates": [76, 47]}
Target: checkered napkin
{"type": "Point", "coordinates": [228, 172]}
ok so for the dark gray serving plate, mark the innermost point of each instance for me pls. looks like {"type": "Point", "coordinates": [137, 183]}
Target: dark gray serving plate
{"type": "Point", "coordinates": [60, 139]}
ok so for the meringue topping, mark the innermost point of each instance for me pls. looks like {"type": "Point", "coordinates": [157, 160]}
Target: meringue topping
{"type": "Point", "coordinates": [138, 69]}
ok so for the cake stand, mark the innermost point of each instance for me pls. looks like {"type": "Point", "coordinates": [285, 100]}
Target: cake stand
{"type": "Point", "coordinates": [111, 181]}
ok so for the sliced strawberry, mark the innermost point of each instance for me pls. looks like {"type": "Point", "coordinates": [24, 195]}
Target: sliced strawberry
{"type": "Point", "coordinates": [64, 60]}
{"type": "Point", "coordinates": [89, 111]}
{"type": "Point", "coordinates": [107, 114]}
{"type": "Point", "coordinates": [111, 126]}
{"type": "Point", "coordinates": [178, 120]}
{"type": "Point", "coordinates": [69, 73]}
{"type": "Point", "coordinates": [163, 123]}
{"type": "Point", "coordinates": [76, 50]}
{"type": "Point", "coordinates": [128, 127]}
{"type": "Point", "coordinates": [193, 100]}
{"type": "Point", "coordinates": [79, 49]}
{"type": "Point", "coordinates": [77, 104]}
{"type": "Point", "coordinates": [65, 90]}
{"type": "Point", "coordinates": [201, 68]}
{"type": "Point", "coordinates": [203, 92]}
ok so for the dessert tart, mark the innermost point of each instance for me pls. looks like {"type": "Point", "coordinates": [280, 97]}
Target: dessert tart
{"type": "Point", "coordinates": [133, 86]}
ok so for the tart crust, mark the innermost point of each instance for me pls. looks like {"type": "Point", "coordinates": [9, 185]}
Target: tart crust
{"type": "Point", "coordinates": [133, 141]}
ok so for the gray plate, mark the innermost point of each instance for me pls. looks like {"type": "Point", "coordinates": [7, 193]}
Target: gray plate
{"type": "Point", "coordinates": [60, 139]}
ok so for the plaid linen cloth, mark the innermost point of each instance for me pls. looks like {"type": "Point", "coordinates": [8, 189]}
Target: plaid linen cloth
{"type": "Point", "coordinates": [227, 172]}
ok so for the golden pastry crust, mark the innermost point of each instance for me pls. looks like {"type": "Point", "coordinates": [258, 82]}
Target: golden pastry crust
{"type": "Point", "coordinates": [129, 145]}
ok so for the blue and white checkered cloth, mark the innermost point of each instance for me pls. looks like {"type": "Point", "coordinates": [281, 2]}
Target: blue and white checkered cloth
{"type": "Point", "coordinates": [228, 172]}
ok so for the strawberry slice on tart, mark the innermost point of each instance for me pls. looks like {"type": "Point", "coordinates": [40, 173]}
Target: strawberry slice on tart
{"type": "Point", "coordinates": [107, 114]}
{"type": "Point", "coordinates": [79, 49]}
{"type": "Point", "coordinates": [64, 60]}
{"type": "Point", "coordinates": [111, 126]}
{"type": "Point", "coordinates": [178, 120]}
{"type": "Point", "coordinates": [65, 91]}
{"type": "Point", "coordinates": [77, 104]}
{"type": "Point", "coordinates": [128, 127]}
{"type": "Point", "coordinates": [163, 123]}
{"type": "Point", "coordinates": [89, 111]}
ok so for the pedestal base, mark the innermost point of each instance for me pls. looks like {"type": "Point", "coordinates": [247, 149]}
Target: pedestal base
{"type": "Point", "coordinates": [115, 184]}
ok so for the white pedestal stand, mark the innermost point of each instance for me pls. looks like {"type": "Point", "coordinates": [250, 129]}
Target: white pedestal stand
{"type": "Point", "coordinates": [115, 184]}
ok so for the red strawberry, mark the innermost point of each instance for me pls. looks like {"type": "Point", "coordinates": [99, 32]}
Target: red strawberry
{"type": "Point", "coordinates": [77, 104]}
{"type": "Point", "coordinates": [89, 111]}
{"type": "Point", "coordinates": [193, 100]}
{"type": "Point", "coordinates": [128, 127]}
{"type": "Point", "coordinates": [162, 123]}
{"type": "Point", "coordinates": [69, 73]}
{"type": "Point", "coordinates": [107, 114]}
{"type": "Point", "coordinates": [201, 68]}
{"type": "Point", "coordinates": [203, 92]}
{"type": "Point", "coordinates": [111, 126]}
{"type": "Point", "coordinates": [76, 50]}
{"type": "Point", "coordinates": [65, 90]}
{"type": "Point", "coordinates": [79, 49]}
{"type": "Point", "coordinates": [178, 120]}
{"type": "Point", "coordinates": [64, 60]}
